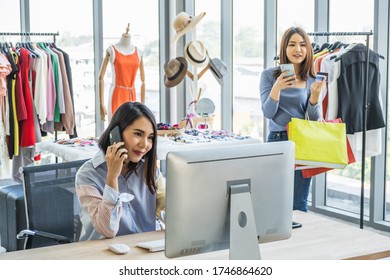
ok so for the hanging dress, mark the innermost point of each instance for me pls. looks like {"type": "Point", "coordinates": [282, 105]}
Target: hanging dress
{"type": "Point", "coordinates": [125, 67]}
{"type": "Point", "coordinates": [26, 123]}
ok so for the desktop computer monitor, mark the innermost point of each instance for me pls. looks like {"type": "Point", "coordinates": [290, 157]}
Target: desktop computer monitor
{"type": "Point", "coordinates": [228, 197]}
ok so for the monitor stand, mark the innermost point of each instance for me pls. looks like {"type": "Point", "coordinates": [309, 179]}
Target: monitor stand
{"type": "Point", "coordinates": [244, 244]}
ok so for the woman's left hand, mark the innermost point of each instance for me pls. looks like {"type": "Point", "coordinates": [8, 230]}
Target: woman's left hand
{"type": "Point", "coordinates": [315, 91]}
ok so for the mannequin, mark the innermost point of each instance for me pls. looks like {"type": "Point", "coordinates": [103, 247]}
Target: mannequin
{"type": "Point", "coordinates": [125, 61]}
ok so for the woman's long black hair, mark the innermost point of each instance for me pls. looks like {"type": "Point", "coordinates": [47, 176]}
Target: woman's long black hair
{"type": "Point", "coordinates": [124, 116]}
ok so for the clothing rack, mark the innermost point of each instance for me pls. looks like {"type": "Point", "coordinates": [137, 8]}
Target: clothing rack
{"type": "Point", "coordinates": [30, 34]}
{"type": "Point", "coordinates": [367, 34]}
{"type": "Point", "coordinates": [27, 34]}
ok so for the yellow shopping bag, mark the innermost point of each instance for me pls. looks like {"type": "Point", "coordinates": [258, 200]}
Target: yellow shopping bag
{"type": "Point", "coordinates": [319, 143]}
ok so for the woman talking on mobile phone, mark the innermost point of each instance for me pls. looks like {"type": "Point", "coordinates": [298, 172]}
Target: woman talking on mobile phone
{"type": "Point", "coordinates": [121, 190]}
{"type": "Point", "coordinates": [284, 97]}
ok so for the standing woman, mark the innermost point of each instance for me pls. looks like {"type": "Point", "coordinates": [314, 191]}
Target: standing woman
{"type": "Point", "coordinates": [284, 97]}
{"type": "Point", "coordinates": [121, 190]}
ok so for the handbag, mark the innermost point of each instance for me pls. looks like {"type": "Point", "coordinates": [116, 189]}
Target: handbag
{"type": "Point", "coordinates": [319, 143]}
{"type": "Point", "coordinates": [312, 171]}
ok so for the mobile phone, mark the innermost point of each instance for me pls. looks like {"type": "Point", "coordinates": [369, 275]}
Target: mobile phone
{"type": "Point", "coordinates": [115, 135]}
{"type": "Point", "coordinates": [287, 67]}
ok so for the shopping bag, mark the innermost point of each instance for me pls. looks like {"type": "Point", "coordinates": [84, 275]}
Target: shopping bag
{"type": "Point", "coordinates": [319, 143]}
{"type": "Point", "coordinates": [310, 171]}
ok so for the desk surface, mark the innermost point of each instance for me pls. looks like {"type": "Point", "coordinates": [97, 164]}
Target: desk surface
{"type": "Point", "coordinates": [320, 238]}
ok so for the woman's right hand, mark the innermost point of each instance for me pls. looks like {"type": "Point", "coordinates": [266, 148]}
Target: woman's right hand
{"type": "Point", "coordinates": [115, 156]}
{"type": "Point", "coordinates": [282, 82]}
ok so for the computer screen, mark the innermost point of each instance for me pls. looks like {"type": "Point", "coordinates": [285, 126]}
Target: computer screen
{"type": "Point", "coordinates": [228, 197]}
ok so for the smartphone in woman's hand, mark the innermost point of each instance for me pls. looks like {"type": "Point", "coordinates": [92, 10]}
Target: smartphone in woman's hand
{"type": "Point", "coordinates": [287, 67]}
{"type": "Point", "coordinates": [115, 135]}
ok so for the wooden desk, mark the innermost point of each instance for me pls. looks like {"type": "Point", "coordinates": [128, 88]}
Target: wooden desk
{"type": "Point", "coordinates": [320, 238]}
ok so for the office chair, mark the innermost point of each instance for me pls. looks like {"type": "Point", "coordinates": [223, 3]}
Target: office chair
{"type": "Point", "coordinates": [51, 204]}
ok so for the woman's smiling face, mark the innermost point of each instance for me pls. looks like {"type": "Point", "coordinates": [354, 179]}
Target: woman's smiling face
{"type": "Point", "coordinates": [296, 49]}
{"type": "Point", "coordinates": [138, 139]}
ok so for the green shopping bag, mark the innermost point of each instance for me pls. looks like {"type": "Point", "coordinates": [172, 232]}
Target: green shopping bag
{"type": "Point", "coordinates": [319, 143]}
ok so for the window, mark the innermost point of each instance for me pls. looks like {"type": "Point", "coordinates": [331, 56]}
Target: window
{"type": "Point", "coordinates": [9, 17]}
{"type": "Point", "coordinates": [291, 13]}
{"type": "Point", "coordinates": [248, 37]}
{"type": "Point", "coordinates": [344, 186]}
{"type": "Point", "coordinates": [75, 38]}
{"type": "Point", "coordinates": [208, 31]}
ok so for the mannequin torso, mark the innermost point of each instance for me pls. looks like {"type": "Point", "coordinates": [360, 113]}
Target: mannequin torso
{"type": "Point", "coordinates": [124, 44]}
{"type": "Point", "coordinates": [125, 48]}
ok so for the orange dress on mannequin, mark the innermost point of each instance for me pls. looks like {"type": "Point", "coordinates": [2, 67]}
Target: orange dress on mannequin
{"type": "Point", "coordinates": [125, 67]}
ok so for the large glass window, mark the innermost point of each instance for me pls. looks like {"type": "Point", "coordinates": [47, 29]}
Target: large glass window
{"type": "Point", "coordinates": [248, 37]}
{"type": "Point", "coordinates": [208, 31]}
{"type": "Point", "coordinates": [9, 17]}
{"type": "Point", "coordinates": [290, 13]}
{"type": "Point", "coordinates": [344, 186]}
{"type": "Point", "coordinates": [73, 21]}
{"type": "Point", "coordinates": [143, 19]}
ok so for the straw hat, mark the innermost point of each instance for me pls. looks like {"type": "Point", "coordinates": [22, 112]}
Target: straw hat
{"type": "Point", "coordinates": [175, 70]}
{"type": "Point", "coordinates": [184, 23]}
{"type": "Point", "coordinates": [218, 68]}
{"type": "Point", "coordinates": [196, 53]}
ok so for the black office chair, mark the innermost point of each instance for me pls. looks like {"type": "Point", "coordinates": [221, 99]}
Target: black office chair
{"type": "Point", "coordinates": [51, 204]}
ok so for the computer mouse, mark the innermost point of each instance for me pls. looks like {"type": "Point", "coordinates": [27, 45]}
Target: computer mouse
{"type": "Point", "coordinates": [119, 248]}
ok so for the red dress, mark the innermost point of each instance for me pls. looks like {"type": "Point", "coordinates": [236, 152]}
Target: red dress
{"type": "Point", "coordinates": [26, 124]}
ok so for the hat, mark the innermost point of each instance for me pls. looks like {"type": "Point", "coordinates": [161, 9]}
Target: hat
{"type": "Point", "coordinates": [184, 23]}
{"type": "Point", "coordinates": [175, 70]}
{"type": "Point", "coordinates": [218, 68]}
{"type": "Point", "coordinates": [196, 53]}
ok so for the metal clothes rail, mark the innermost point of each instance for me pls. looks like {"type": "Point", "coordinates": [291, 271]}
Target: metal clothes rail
{"type": "Point", "coordinates": [22, 34]}
{"type": "Point", "coordinates": [367, 34]}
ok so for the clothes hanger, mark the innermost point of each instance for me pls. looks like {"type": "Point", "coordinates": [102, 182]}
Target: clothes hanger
{"type": "Point", "coordinates": [27, 46]}
{"type": "Point", "coordinates": [315, 46]}
{"type": "Point", "coordinates": [325, 46]}
{"type": "Point", "coordinates": [18, 46]}
{"type": "Point", "coordinates": [335, 45]}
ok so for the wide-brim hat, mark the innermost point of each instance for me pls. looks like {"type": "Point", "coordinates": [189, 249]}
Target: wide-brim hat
{"type": "Point", "coordinates": [196, 53]}
{"type": "Point", "coordinates": [175, 70]}
{"type": "Point", "coordinates": [183, 23]}
{"type": "Point", "coordinates": [218, 68]}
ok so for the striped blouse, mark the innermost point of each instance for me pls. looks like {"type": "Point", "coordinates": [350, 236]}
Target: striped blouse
{"type": "Point", "coordinates": [106, 213]}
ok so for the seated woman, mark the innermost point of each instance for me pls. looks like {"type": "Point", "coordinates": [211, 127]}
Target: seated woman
{"type": "Point", "coordinates": [121, 189]}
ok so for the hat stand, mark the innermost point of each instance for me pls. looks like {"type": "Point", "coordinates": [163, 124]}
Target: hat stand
{"type": "Point", "coordinates": [193, 88]}
{"type": "Point", "coordinates": [190, 115]}
{"type": "Point", "coordinates": [191, 76]}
